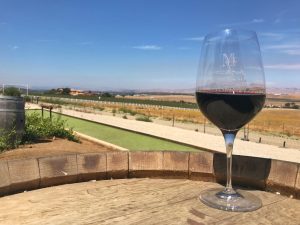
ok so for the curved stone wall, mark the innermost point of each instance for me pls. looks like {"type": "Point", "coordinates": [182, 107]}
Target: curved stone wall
{"type": "Point", "coordinates": [265, 174]}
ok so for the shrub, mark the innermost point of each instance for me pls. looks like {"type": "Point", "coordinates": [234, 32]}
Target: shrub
{"type": "Point", "coordinates": [125, 110]}
{"type": "Point", "coordinates": [9, 140]}
{"type": "Point", "coordinates": [124, 117]}
{"type": "Point", "coordinates": [291, 105]}
{"type": "Point", "coordinates": [27, 98]}
{"type": "Point", "coordinates": [12, 91]}
{"type": "Point", "coordinates": [55, 101]}
{"type": "Point", "coordinates": [37, 128]}
{"type": "Point", "coordinates": [143, 118]}
{"type": "Point", "coordinates": [107, 95]}
{"type": "Point", "coordinates": [51, 92]}
{"type": "Point", "coordinates": [66, 91]}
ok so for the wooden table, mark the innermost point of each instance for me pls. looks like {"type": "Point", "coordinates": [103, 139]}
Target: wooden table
{"type": "Point", "coordinates": [137, 201]}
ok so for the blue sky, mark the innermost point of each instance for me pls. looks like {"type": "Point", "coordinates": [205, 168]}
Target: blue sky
{"type": "Point", "coordinates": [137, 44]}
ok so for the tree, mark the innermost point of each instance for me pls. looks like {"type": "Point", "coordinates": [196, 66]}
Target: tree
{"type": "Point", "coordinates": [66, 91]}
{"type": "Point", "coordinates": [12, 91]}
{"type": "Point", "coordinates": [107, 95]}
{"type": "Point", "coordinates": [51, 92]}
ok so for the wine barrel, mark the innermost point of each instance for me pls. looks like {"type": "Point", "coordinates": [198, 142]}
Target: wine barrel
{"type": "Point", "coordinates": [12, 114]}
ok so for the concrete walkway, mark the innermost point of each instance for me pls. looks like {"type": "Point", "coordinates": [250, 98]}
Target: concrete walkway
{"type": "Point", "coordinates": [201, 140]}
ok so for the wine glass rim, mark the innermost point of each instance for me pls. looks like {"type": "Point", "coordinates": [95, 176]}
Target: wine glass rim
{"type": "Point", "coordinates": [242, 34]}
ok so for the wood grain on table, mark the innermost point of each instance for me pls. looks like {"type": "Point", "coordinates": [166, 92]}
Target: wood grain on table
{"type": "Point", "coordinates": [137, 201]}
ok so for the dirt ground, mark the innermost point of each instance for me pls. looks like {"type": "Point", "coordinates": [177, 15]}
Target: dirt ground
{"type": "Point", "coordinates": [53, 148]}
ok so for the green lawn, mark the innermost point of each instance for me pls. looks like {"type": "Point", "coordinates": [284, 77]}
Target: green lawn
{"type": "Point", "coordinates": [123, 138]}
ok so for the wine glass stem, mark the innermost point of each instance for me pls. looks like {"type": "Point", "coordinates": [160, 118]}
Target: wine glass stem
{"type": "Point", "coordinates": [229, 140]}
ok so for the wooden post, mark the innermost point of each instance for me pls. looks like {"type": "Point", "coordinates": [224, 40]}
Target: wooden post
{"type": "Point", "coordinates": [173, 120]}
{"type": "Point", "coordinates": [50, 113]}
{"type": "Point", "coordinates": [204, 125]}
{"type": "Point", "coordinates": [42, 112]}
{"type": "Point", "coordinates": [248, 131]}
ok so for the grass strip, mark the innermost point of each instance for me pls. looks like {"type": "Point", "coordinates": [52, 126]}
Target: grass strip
{"type": "Point", "coordinates": [130, 140]}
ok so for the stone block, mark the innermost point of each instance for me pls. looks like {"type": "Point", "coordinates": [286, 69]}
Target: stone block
{"type": "Point", "coordinates": [4, 178]}
{"type": "Point", "coordinates": [297, 184]}
{"type": "Point", "coordinates": [24, 174]}
{"type": "Point", "coordinates": [176, 164]}
{"type": "Point", "coordinates": [117, 165]}
{"type": "Point", "coordinates": [246, 171]}
{"type": "Point", "coordinates": [201, 166]}
{"type": "Point", "coordinates": [91, 166]}
{"type": "Point", "coordinates": [58, 170]}
{"type": "Point", "coordinates": [145, 164]}
{"type": "Point", "coordinates": [282, 177]}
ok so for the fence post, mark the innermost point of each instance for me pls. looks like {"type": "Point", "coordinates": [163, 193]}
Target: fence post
{"type": "Point", "coordinates": [204, 125]}
{"type": "Point", "coordinates": [173, 120]}
{"type": "Point", "coordinates": [248, 131]}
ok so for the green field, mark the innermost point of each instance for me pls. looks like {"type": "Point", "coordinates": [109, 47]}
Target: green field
{"type": "Point", "coordinates": [123, 138]}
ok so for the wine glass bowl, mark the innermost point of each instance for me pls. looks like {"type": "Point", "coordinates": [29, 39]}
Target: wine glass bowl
{"type": "Point", "coordinates": [230, 92]}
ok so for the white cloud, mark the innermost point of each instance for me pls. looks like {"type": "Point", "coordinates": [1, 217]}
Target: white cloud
{"type": "Point", "coordinates": [288, 48]}
{"type": "Point", "coordinates": [284, 66]}
{"type": "Point", "coordinates": [14, 47]}
{"type": "Point", "coordinates": [199, 38]}
{"type": "Point", "coordinates": [272, 35]}
{"type": "Point", "coordinates": [292, 51]}
{"type": "Point", "coordinates": [277, 20]}
{"type": "Point", "coordinates": [280, 16]}
{"type": "Point", "coordinates": [255, 20]}
{"type": "Point", "coordinates": [148, 47]}
{"type": "Point", "coordinates": [282, 46]}
{"type": "Point", "coordinates": [258, 21]}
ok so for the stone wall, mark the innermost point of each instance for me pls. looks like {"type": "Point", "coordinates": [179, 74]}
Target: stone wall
{"type": "Point", "coordinates": [264, 174]}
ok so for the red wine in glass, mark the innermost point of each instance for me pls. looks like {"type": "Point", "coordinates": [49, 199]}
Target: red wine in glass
{"type": "Point", "coordinates": [229, 111]}
{"type": "Point", "coordinates": [230, 92]}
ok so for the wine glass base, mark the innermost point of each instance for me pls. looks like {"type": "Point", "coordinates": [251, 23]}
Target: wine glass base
{"type": "Point", "coordinates": [242, 201]}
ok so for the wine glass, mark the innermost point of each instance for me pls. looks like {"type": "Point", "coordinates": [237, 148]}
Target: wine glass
{"type": "Point", "coordinates": [230, 92]}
